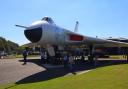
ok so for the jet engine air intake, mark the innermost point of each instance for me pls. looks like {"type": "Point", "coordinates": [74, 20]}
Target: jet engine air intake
{"type": "Point", "coordinates": [34, 35]}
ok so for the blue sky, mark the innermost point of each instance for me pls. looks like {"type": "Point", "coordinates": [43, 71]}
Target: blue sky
{"type": "Point", "coordinates": [102, 18]}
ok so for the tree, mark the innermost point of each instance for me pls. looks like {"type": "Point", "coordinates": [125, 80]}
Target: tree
{"type": "Point", "coordinates": [7, 45]}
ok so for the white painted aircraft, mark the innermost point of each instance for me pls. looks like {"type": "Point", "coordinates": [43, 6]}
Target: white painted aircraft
{"type": "Point", "coordinates": [46, 32]}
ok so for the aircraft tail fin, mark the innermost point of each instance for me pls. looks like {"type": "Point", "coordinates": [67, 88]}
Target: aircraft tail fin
{"type": "Point", "coordinates": [76, 27]}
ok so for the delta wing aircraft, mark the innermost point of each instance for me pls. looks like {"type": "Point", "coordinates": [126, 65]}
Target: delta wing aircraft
{"type": "Point", "coordinates": [46, 32]}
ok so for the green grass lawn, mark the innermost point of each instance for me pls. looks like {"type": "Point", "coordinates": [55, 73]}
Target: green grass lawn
{"type": "Point", "coordinates": [109, 77]}
{"type": "Point", "coordinates": [117, 57]}
{"type": "Point", "coordinates": [21, 56]}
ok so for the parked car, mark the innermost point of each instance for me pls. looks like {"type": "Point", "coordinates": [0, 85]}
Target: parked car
{"type": "Point", "coordinates": [3, 54]}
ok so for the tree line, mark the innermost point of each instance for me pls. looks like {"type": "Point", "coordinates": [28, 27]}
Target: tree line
{"type": "Point", "coordinates": [8, 46]}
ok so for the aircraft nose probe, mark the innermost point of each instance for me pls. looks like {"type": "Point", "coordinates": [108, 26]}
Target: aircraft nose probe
{"type": "Point", "coordinates": [21, 26]}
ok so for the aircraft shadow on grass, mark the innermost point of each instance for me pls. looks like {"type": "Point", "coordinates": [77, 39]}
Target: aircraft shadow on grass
{"type": "Point", "coordinates": [59, 72]}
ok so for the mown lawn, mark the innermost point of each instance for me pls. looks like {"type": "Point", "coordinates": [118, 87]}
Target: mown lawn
{"type": "Point", "coordinates": [117, 56]}
{"type": "Point", "coordinates": [109, 77]}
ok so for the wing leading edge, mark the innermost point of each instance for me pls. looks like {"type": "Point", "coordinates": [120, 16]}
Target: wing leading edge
{"type": "Point", "coordinates": [80, 39]}
{"type": "Point", "coordinates": [104, 42]}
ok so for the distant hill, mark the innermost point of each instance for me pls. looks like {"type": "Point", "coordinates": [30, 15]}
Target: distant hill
{"type": "Point", "coordinates": [31, 45]}
{"type": "Point", "coordinates": [7, 45]}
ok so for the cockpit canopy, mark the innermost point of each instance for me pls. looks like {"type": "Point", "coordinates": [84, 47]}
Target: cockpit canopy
{"type": "Point", "coordinates": [48, 19]}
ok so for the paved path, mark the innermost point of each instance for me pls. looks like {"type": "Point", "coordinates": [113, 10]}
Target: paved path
{"type": "Point", "coordinates": [11, 70]}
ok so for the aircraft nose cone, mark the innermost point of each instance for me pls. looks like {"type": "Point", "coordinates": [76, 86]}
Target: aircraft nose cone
{"type": "Point", "coordinates": [34, 35]}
